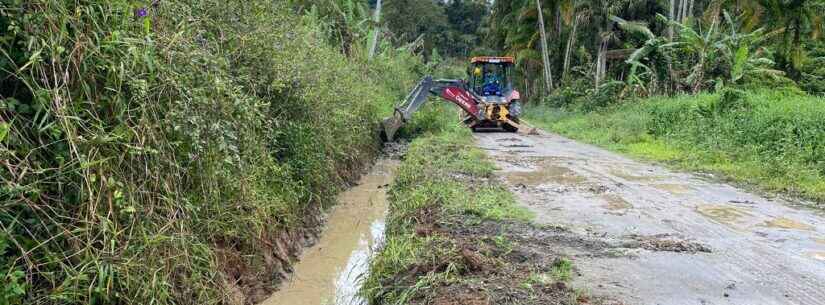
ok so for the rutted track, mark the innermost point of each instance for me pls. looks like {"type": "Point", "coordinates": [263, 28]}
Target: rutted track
{"type": "Point", "coordinates": [740, 248]}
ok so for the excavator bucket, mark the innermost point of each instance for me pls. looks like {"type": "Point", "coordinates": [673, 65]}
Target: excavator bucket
{"type": "Point", "coordinates": [448, 89]}
{"type": "Point", "coordinates": [391, 126]}
{"type": "Point", "coordinates": [403, 112]}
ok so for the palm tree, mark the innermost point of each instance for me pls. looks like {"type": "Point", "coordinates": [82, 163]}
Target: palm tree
{"type": "Point", "coordinates": [376, 29]}
{"type": "Point", "coordinates": [574, 12]}
{"type": "Point", "coordinates": [794, 18]}
{"type": "Point", "coordinates": [519, 27]}
{"type": "Point", "coordinates": [548, 74]}
{"type": "Point", "coordinates": [601, 12]}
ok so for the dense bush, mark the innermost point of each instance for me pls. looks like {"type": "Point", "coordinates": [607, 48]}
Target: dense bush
{"type": "Point", "coordinates": [145, 149]}
{"type": "Point", "coordinates": [813, 74]}
{"type": "Point", "coordinates": [580, 95]}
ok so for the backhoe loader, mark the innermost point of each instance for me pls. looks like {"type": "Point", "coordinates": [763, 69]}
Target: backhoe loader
{"type": "Point", "coordinates": [487, 98]}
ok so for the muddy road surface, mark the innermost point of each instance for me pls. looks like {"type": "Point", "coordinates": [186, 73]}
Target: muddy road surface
{"type": "Point", "coordinates": [691, 239]}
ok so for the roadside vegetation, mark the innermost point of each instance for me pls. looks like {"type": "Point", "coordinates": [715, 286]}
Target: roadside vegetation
{"type": "Point", "coordinates": [178, 152]}
{"type": "Point", "coordinates": [774, 139]}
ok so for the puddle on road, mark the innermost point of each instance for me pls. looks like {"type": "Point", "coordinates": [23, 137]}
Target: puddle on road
{"type": "Point", "coordinates": [786, 223]}
{"type": "Point", "coordinates": [629, 177]}
{"type": "Point", "coordinates": [723, 214]}
{"type": "Point", "coordinates": [544, 174]}
{"type": "Point", "coordinates": [676, 189]}
{"type": "Point", "coordinates": [329, 272]}
{"type": "Point", "coordinates": [616, 202]}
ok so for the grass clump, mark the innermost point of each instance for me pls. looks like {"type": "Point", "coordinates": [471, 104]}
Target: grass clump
{"type": "Point", "coordinates": [774, 139]}
{"type": "Point", "coordinates": [562, 269]}
{"type": "Point", "coordinates": [170, 152]}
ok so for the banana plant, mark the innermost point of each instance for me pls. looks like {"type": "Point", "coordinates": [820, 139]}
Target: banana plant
{"type": "Point", "coordinates": [744, 53]}
{"type": "Point", "coordinates": [655, 50]}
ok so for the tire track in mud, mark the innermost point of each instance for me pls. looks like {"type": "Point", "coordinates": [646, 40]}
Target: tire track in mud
{"type": "Point", "coordinates": [748, 249]}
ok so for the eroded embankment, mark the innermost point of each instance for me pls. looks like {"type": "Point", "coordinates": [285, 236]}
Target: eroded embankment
{"type": "Point", "coordinates": [329, 271]}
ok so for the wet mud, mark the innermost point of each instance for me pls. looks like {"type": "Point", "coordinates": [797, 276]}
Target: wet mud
{"type": "Point", "coordinates": [785, 223]}
{"type": "Point", "coordinates": [546, 173]}
{"type": "Point", "coordinates": [328, 273]}
{"type": "Point", "coordinates": [508, 262]}
{"type": "Point", "coordinates": [723, 214]}
{"type": "Point", "coordinates": [616, 202]}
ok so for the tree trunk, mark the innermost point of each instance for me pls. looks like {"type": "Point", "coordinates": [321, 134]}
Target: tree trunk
{"type": "Point", "coordinates": [376, 30]}
{"type": "Point", "coordinates": [671, 16]}
{"type": "Point", "coordinates": [545, 57]}
{"type": "Point", "coordinates": [678, 9]}
{"type": "Point", "coordinates": [690, 8]}
{"type": "Point", "coordinates": [568, 52]}
{"type": "Point", "coordinates": [601, 62]}
{"type": "Point", "coordinates": [671, 74]}
{"type": "Point", "coordinates": [700, 75]}
{"type": "Point", "coordinates": [558, 20]}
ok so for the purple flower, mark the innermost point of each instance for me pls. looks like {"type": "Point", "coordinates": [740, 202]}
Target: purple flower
{"type": "Point", "coordinates": [141, 12]}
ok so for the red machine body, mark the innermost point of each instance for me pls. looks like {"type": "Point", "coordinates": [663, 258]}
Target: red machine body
{"type": "Point", "coordinates": [487, 98]}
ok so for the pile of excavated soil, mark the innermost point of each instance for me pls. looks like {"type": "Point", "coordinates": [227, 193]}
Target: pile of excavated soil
{"type": "Point", "coordinates": [510, 262]}
{"type": "Point", "coordinates": [498, 263]}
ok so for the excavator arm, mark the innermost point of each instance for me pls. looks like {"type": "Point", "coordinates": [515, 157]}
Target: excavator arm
{"type": "Point", "coordinates": [448, 89]}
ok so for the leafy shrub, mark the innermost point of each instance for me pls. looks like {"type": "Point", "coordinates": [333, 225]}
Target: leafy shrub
{"type": "Point", "coordinates": [758, 81]}
{"type": "Point", "coordinates": [606, 94]}
{"type": "Point", "coordinates": [580, 96]}
{"type": "Point", "coordinates": [730, 99]}
{"type": "Point", "coordinates": [562, 97]}
{"type": "Point", "coordinates": [813, 78]}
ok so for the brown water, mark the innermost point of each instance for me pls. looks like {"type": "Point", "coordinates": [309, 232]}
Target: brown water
{"type": "Point", "coordinates": [786, 223]}
{"type": "Point", "coordinates": [616, 202]}
{"type": "Point", "coordinates": [636, 178]}
{"type": "Point", "coordinates": [676, 189]}
{"type": "Point", "coordinates": [546, 173]}
{"type": "Point", "coordinates": [329, 272]}
{"type": "Point", "coordinates": [721, 213]}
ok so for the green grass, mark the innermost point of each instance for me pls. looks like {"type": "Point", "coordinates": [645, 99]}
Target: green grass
{"type": "Point", "coordinates": [773, 139]}
{"type": "Point", "coordinates": [562, 269]}
{"type": "Point", "coordinates": [442, 172]}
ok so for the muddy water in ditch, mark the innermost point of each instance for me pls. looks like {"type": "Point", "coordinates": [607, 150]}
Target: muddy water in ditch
{"type": "Point", "coordinates": [329, 272]}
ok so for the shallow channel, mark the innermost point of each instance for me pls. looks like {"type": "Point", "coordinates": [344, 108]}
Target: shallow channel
{"type": "Point", "coordinates": [329, 272]}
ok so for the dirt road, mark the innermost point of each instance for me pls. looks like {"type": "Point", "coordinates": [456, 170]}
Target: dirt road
{"type": "Point", "coordinates": [702, 241]}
